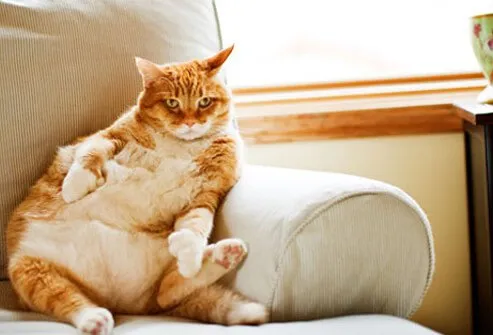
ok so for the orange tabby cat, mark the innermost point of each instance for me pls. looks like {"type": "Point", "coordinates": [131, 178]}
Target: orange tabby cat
{"type": "Point", "coordinates": [120, 220]}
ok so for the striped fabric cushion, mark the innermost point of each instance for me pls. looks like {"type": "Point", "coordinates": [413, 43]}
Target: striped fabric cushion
{"type": "Point", "coordinates": [67, 69]}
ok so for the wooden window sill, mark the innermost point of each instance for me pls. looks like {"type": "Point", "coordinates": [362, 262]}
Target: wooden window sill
{"type": "Point", "coordinates": [352, 110]}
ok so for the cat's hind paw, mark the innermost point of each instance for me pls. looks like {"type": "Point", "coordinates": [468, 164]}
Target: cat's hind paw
{"type": "Point", "coordinates": [228, 253]}
{"type": "Point", "coordinates": [94, 321]}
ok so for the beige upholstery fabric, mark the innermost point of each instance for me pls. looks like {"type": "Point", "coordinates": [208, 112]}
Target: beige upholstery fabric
{"type": "Point", "coordinates": [355, 325]}
{"type": "Point", "coordinates": [67, 69]}
{"type": "Point", "coordinates": [26, 323]}
{"type": "Point", "coordinates": [323, 245]}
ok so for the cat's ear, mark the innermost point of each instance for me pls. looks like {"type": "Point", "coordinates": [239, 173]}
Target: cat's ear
{"type": "Point", "coordinates": [149, 71]}
{"type": "Point", "coordinates": [213, 64]}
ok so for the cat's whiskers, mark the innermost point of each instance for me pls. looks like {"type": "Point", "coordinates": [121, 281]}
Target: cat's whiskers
{"type": "Point", "coordinates": [194, 131]}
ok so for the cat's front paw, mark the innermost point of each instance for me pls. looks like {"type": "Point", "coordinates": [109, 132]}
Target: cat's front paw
{"type": "Point", "coordinates": [78, 183]}
{"type": "Point", "coordinates": [188, 248]}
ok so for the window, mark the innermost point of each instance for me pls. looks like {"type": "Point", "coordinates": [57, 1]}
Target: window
{"type": "Point", "coordinates": [283, 42]}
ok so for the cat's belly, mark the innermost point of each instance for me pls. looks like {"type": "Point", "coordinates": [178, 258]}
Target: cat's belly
{"type": "Point", "coordinates": [121, 267]}
{"type": "Point", "coordinates": [140, 198]}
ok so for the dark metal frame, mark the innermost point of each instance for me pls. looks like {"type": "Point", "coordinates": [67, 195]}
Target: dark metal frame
{"type": "Point", "coordinates": [479, 153]}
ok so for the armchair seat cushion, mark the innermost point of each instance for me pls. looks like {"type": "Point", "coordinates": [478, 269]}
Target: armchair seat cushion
{"type": "Point", "coordinates": [351, 325]}
{"type": "Point", "coordinates": [27, 323]}
{"type": "Point", "coordinates": [13, 321]}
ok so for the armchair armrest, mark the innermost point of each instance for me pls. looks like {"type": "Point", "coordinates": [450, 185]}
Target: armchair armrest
{"type": "Point", "coordinates": [323, 244]}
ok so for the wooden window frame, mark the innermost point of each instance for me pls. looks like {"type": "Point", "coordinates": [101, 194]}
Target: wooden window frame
{"type": "Point", "coordinates": [381, 107]}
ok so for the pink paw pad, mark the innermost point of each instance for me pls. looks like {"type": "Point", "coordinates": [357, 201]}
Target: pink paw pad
{"type": "Point", "coordinates": [228, 253]}
{"type": "Point", "coordinates": [95, 321]}
{"type": "Point", "coordinates": [208, 252]}
{"type": "Point", "coordinates": [97, 328]}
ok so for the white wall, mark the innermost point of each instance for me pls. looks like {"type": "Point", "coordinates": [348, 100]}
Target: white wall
{"type": "Point", "coordinates": [431, 168]}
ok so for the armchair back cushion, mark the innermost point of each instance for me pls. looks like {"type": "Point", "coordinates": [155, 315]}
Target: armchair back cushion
{"type": "Point", "coordinates": [68, 69]}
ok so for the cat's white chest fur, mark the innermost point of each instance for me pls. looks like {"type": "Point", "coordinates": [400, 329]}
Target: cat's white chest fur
{"type": "Point", "coordinates": [143, 185]}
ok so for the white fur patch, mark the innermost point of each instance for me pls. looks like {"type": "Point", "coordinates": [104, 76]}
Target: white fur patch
{"type": "Point", "coordinates": [197, 216]}
{"type": "Point", "coordinates": [94, 321]}
{"type": "Point", "coordinates": [188, 248]}
{"type": "Point", "coordinates": [122, 267]}
{"type": "Point", "coordinates": [247, 313]}
{"type": "Point", "coordinates": [78, 183]}
{"type": "Point", "coordinates": [190, 133]}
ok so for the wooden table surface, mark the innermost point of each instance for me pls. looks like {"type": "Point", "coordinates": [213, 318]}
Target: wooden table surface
{"type": "Point", "coordinates": [475, 113]}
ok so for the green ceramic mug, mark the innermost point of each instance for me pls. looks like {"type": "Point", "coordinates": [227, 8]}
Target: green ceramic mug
{"type": "Point", "coordinates": [482, 43]}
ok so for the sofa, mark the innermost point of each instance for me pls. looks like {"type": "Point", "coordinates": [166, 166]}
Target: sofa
{"type": "Point", "coordinates": [328, 253]}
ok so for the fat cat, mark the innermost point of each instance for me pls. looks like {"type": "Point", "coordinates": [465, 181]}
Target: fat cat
{"type": "Point", "coordinates": [120, 221]}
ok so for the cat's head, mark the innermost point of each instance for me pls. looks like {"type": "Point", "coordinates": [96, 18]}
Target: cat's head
{"type": "Point", "coordinates": [187, 99]}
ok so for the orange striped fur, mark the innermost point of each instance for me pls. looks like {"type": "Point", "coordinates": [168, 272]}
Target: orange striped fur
{"type": "Point", "coordinates": [120, 221]}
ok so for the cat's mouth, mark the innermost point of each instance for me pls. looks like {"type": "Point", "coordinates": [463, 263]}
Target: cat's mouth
{"type": "Point", "coordinates": [192, 133]}
{"type": "Point", "coordinates": [189, 136]}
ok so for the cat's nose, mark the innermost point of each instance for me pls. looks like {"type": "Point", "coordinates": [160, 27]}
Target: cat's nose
{"type": "Point", "coordinates": [189, 123]}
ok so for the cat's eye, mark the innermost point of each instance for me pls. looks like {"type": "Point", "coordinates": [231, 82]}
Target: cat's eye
{"type": "Point", "coordinates": [205, 102]}
{"type": "Point", "coordinates": [171, 103]}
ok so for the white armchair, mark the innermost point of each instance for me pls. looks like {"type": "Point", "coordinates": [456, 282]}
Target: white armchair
{"type": "Point", "coordinates": [322, 245]}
